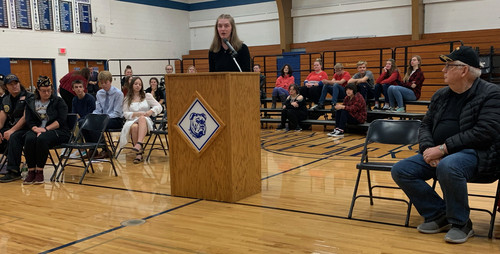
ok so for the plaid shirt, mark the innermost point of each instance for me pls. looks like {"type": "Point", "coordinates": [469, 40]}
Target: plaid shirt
{"type": "Point", "coordinates": [356, 107]}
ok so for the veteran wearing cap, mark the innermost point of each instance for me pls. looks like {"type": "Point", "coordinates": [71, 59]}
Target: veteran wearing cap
{"type": "Point", "coordinates": [12, 121]}
{"type": "Point", "coordinates": [459, 143]}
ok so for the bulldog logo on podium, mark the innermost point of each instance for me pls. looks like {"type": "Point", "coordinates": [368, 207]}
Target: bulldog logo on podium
{"type": "Point", "coordinates": [198, 125]}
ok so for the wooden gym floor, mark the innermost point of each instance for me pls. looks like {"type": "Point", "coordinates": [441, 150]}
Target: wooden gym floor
{"type": "Point", "coordinates": [307, 184]}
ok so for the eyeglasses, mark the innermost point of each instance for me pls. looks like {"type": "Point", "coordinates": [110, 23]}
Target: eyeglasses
{"type": "Point", "coordinates": [447, 66]}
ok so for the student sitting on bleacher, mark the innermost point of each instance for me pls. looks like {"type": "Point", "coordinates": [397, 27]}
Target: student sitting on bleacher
{"type": "Point", "coordinates": [283, 82]}
{"type": "Point", "coordinates": [262, 81]}
{"type": "Point", "coordinates": [294, 109]}
{"type": "Point", "coordinates": [138, 107]}
{"type": "Point", "coordinates": [352, 111]}
{"type": "Point", "coordinates": [335, 87]}
{"type": "Point", "coordinates": [313, 85]}
{"type": "Point", "coordinates": [389, 76]}
{"type": "Point", "coordinates": [410, 88]}
{"type": "Point", "coordinates": [364, 80]}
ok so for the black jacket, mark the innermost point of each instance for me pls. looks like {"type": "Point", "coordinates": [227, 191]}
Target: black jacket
{"type": "Point", "coordinates": [479, 127]}
{"type": "Point", "coordinates": [57, 110]}
{"type": "Point", "coordinates": [15, 111]}
{"type": "Point", "coordinates": [223, 61]}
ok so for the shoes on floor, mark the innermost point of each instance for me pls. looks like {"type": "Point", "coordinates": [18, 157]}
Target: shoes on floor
{"type": "Point", "coordinates": [337, 133]}
{"type": "Point", "coordinates": [30, 177]}
{"type": "Point", "coordinates": [435, 226]}
{"type": "Point", "coordinates": [459, 233]}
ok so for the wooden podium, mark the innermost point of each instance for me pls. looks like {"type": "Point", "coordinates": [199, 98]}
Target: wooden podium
{"type": "Point", "coordinates": [228, 165]}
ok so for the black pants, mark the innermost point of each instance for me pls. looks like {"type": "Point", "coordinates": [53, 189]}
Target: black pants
{"type": "Point", "coordinates": [343, 117]}
{"type": "Point", "coordinates": [93, 136]}
{"type": "Point", "coordinates": [312, 93]}
{"type": "Point", "coordinates": [36, 148]}
{"type": "Point", "coordinates": [68, 98]}
{"type": "Point", "coordinates": [15, 151]}
{"type": "Point", "coordinates": [294, 117]}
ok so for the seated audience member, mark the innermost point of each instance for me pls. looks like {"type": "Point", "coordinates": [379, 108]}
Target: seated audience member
{"type": "Point", "coordinates": [364, 80]}
{"type": "Point", "coordinates": [389, 76]}
{"type": "Point", "coordinates": [410, 88]}
{"type": "Point", "coordinates": [12, 126]}
{"type": "Point", "coordinates": [126, 83]}
{"type": "Point", "coordinates": [83, 103]}
{"type": "Point", "coordinates": [157, 93]}
{"type": "Point", "coordinates": [169, 69]}
{"type": "Point", "coordinates": [313, 85]}
{"type": "Point", "coordinates": [93, 85]}
{"type": "Point", "coordinates": [459, 142]}
{"type": "Point", "coordinates": [138, 107]}
{"type": "Point", "coordinates": [294, 109]}
{"type": "Point", "coordinates": [191, 69]}
{"type": "Point", "coordinates": [128, 73]}
{"type": "Point", "coordinates": [352, 111]}
{"type": "Point", "coordinates": [283, 82]}
{"type": "Point", "coordinates": [66, 84]}
{"type": "Point", "coordinates": [2, 89]}
{"type": "Point", "coordinates": [335, 87]}
{"type": "Point", "coordinates": [46, 120]}
{"type": "Point", "coordinates": [109, 101]}
{"type": "Point", "coordinates": [262, 81]}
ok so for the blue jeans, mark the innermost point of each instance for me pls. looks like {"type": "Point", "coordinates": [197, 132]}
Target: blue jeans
{"type": "Point", "coordinates": [366, 90]}
{"type": "Point", "coordinates": [336, 90]}
{"type": "Point", "coordinates": [452, 172]}
{"type": "Point", "coordinates": [379, 89]}
{"type": "Point", "coordinates": [400, 94]}
{"type": "Point", "coordinates": [277, 91]}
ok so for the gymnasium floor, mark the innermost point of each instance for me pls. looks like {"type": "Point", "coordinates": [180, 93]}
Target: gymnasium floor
{"type": "Point", "coordinates": [307, 185]}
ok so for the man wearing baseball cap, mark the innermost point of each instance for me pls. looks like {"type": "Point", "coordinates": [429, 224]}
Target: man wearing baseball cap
{"type": "Point", "coordinates": [459, 143]}
{"type": "Point", "coordinates": [12, 121]}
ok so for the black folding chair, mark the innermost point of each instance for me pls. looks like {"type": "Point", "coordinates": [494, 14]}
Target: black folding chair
{"type": "Point", "coordinates": [395, 132]}
{"type": "Point", "coordinates": [93, 123]}
{"type": "Point", "coordinates": [156, 134]}
{"type": "Point", "coordinates": [71, 121]}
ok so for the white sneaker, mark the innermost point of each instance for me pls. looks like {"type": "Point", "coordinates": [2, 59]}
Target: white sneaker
{"type": "Point", "coordinates": [338, 133]}
{"type": "Point", "coordinates": [332, 134]}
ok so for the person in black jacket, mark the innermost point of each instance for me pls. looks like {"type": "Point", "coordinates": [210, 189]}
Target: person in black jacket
{"type": "Point", "coordinates": [12, 126]}
{"type": "Point", "coordinates": [46, 121]}
{"type": "Point", "coordinates": [219, 55]}
{"type": "Point", "coordinates": [294, 109]}
{"type": "Point", "coordinates": [459, 142]}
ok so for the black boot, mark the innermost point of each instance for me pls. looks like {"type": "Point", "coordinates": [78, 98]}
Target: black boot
{"type": "Point", "coordinates": [274, 102]}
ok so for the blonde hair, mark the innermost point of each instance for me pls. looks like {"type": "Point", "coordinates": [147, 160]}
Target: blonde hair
{"type": "Point", "coordinates": [410, 68]}
{"type": "Point", "coordinates": [361, 62]}
{"type": "Point", "coordinates": [105, 76]}
{"type": "Point", "coordinates": [234, 39]}
{"type": "Point", "coordinates": [338, 66]}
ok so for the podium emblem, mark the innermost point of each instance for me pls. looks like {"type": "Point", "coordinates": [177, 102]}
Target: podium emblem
{"type": "Point", "coordinates": [198, 125]}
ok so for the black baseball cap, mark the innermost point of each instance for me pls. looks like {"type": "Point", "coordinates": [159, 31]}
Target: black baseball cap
{"type": "Point", "coordinates": [465, 54]}
{"type": "Point", "coordinates": [10, 78]}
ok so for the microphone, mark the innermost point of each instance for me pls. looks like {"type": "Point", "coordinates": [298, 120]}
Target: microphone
{"type": "Point", "coordinates": [233, 52]}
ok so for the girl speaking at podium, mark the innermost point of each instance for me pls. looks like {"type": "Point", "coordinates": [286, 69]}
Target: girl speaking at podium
{"type": "Point", "coordinates": [227, 52]}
